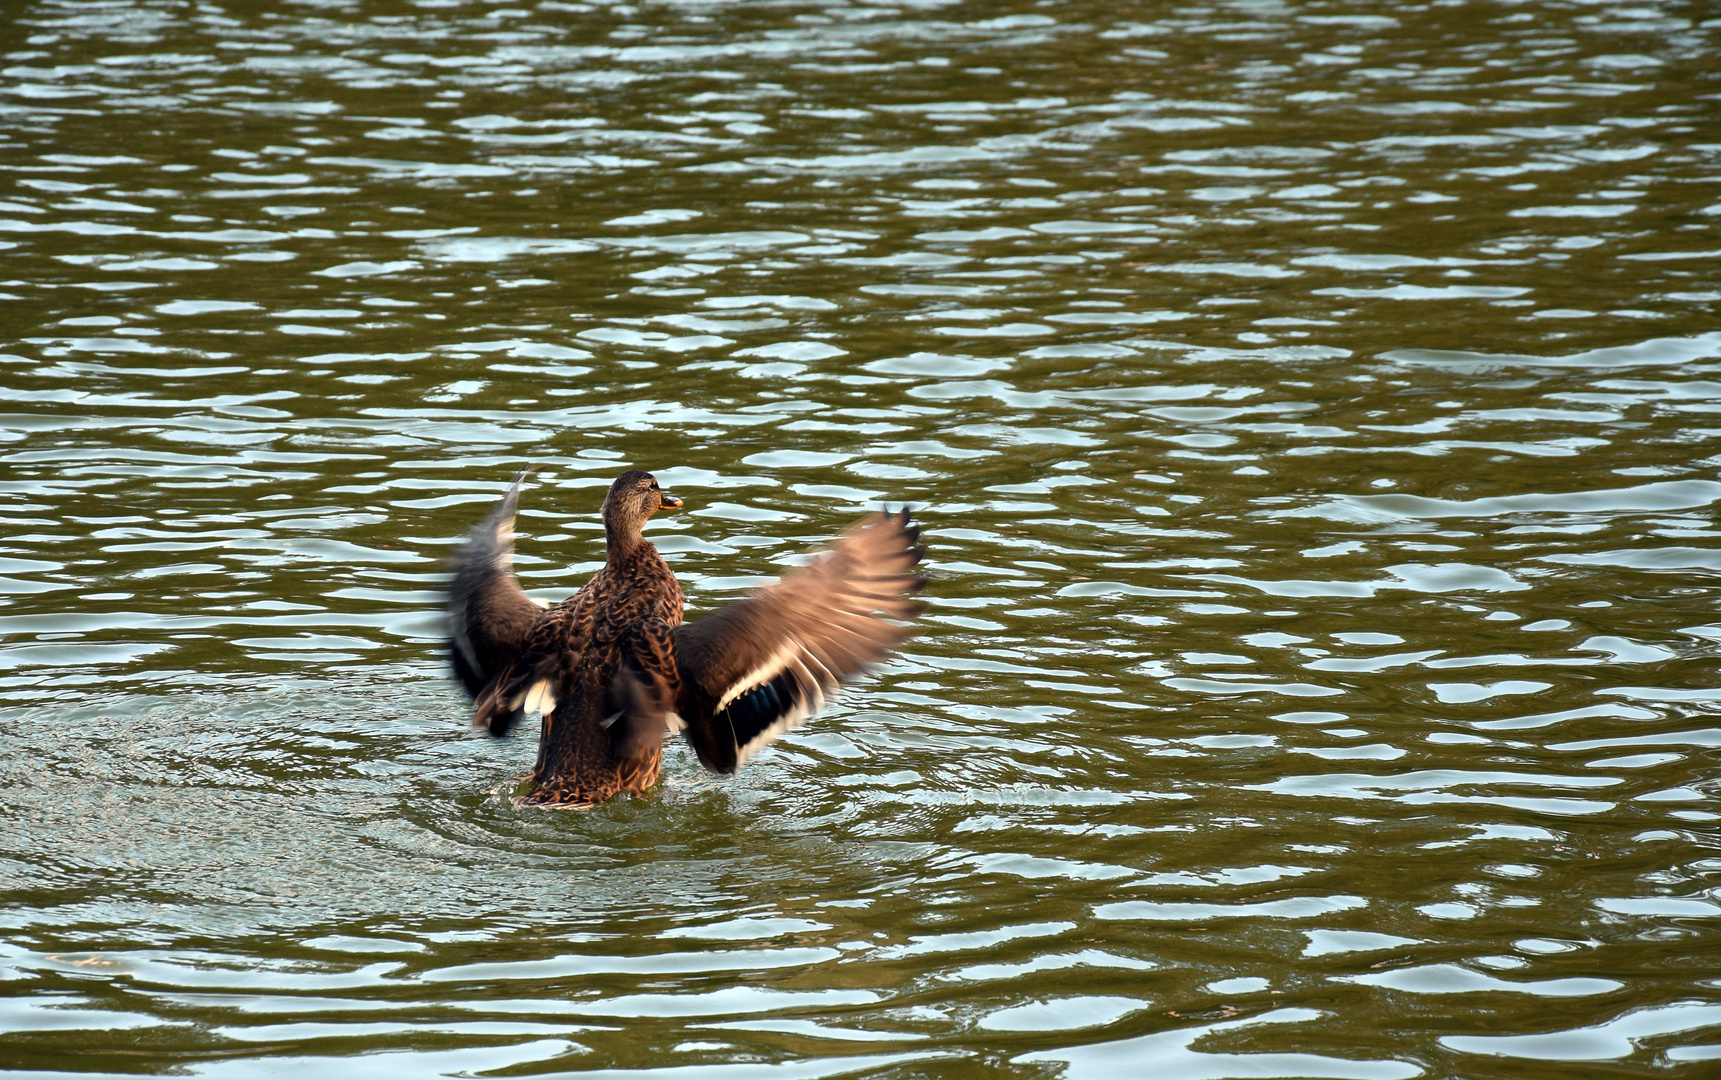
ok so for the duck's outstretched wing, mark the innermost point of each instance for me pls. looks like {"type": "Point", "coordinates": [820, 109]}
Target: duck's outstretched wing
{"type": "Point", "coordinates": [489, 617]}
{"type": "Point", "coordinates": [530, 680]}
{"type": "Point", "coordinates": [758, 667]}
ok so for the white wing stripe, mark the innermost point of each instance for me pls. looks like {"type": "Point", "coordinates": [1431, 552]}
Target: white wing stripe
{"type": "Point", "coordinates": [539, 699]}
{"type": "Point", "coordinates": [758, 676]}
{"type": "Point", "coordinates": [789, 720]}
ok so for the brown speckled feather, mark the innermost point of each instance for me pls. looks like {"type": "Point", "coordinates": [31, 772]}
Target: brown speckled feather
{"type": "Point", "coordinates": [566, 670]}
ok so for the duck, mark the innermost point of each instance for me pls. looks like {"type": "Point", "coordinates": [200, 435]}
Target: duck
{"type": "Point", "coordinates": [613, 668]}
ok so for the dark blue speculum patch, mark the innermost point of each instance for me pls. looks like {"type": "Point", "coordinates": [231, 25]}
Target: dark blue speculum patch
{"type": "Point", "coordinates": [759, 708]}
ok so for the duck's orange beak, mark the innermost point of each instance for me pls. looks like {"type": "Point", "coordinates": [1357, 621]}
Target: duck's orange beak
{"type": "Point", "coordinates": [666, 501]}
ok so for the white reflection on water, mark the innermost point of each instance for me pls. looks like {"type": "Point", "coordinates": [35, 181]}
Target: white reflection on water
{"type": "Point", "coordinates": [1173, 1054]}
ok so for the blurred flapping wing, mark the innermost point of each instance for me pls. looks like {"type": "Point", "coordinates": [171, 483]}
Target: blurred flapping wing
{"type": "Point", "coordinates": [489, 617]}
{"type": "Point", "coordinates": [760, 666]}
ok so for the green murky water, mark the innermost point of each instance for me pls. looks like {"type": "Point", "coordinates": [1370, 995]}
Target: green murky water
{"type": "Point", "coordinates": [1315, 410]}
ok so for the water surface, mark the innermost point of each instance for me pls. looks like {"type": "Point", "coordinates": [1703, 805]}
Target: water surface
{"type": "Point", "coordinates": [1312, 408]}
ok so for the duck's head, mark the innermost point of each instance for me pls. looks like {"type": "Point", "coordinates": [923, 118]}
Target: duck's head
{"type": "Point", "coordinates": [633, 498]}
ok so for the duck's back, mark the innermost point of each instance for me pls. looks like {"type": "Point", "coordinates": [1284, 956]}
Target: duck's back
{"type": "Point", "coordinates": [574, 652]}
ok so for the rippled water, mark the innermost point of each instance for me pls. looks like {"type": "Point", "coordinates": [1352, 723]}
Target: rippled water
{"type": "Point", "coordinates": [1315, 410]}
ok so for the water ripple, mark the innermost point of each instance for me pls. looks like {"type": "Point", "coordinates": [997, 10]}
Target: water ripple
{"type": "Point", "coordinates": [1310, 416]}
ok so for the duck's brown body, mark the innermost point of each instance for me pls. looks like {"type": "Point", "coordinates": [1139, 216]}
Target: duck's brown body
{"type": "Point", "coordinates": [611, 667]}
{"type": "Point", "coordinates": [589, 634]}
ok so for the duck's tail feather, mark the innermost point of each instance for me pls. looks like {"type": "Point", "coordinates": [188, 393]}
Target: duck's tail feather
{"type": "Point", "coordinates": [488, 614]}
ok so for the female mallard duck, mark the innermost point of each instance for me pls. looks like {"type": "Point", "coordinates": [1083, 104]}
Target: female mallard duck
{"type": "Point", "coordinates": [612, 666]}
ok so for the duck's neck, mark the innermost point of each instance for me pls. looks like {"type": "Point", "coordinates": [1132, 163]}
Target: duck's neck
{"type": "Point", "coordinates": [623, 540]}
